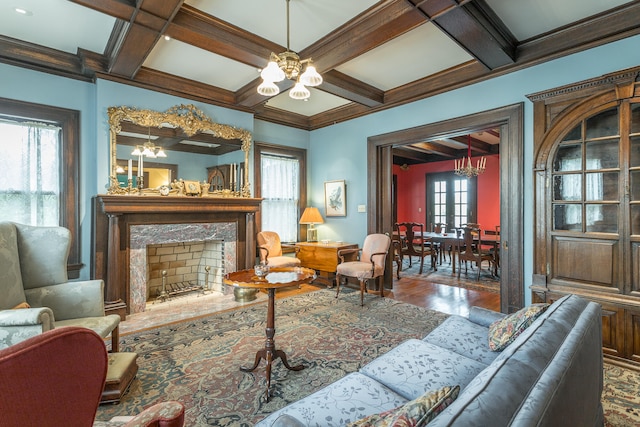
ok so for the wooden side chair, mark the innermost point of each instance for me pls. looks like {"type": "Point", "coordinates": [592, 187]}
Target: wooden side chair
{"type": "Point", "coordinates": [472, 251]}
{"type": "Point", "coordinates": [370, 264]}
{"type": "Point", "coordinates": [414, 243]}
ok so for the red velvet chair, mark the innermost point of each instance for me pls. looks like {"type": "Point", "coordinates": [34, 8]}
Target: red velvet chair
{"type": "Point", "coordinates": [56, 379]}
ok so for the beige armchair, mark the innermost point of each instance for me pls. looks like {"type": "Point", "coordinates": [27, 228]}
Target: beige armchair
{"type": "Point", "coordinates": [369, 266]}
{"type": "Point", "coordinates": [271, 251]}
{"type": "Point", "coordinates": [35, 294]}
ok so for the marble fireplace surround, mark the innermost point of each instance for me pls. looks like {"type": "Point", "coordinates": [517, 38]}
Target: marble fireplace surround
{"type": "Point", "coordinates": [151, 234]}
{"type": "Point", "coordinates": [116, 218]}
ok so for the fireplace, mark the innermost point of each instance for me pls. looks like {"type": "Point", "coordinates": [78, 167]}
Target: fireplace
{"type": "Point", "coordinates": [124, 226]}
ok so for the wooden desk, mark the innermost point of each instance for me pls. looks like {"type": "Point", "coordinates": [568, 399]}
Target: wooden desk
{"type": "Point", "coordinates": [323, 257]}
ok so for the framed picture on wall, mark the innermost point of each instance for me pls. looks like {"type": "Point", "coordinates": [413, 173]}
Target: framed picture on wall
{"type": "Point", "coordinates": [335, 198]}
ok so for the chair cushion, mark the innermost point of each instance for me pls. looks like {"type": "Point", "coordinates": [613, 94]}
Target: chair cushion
{"type": "Point", "coordinates": [359, 269]}
{"type": "Point", "coordinates": [417, 412]}
{"type": "Point", "coordinates": [502, 332]}
{"type": "Point", "coordinates": [102, 326]}
{"type": "Point", "coordinates": [11, 287]}
{"type": "Point", "coordinates": [43, 255]}
{"type": "Point", "coordinates": [283, 261]}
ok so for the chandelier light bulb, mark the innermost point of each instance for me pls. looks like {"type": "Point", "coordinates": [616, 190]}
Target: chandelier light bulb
{"type": "Point", "coordinates": [268, 88]}
{"type": "Point", "coordinates": [310, 77]}
{"type": "Point", "coordinates": [299, 92]}
{"type": "Point", "coordinates": [272, 73]}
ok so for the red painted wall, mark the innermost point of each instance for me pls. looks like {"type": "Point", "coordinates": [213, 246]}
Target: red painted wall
{"type": "Point", "coordinates": [412, 191]}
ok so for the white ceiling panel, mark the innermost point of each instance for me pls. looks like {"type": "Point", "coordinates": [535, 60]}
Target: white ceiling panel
{"type": "Point", "coordinates": [184, 60]}
{"type": "Point", "coordinates": [407, 58]}
{"type": "Point", "coordinates": [55, 24]}
{"type": "Point", "coordinates": [318, 102]}
{"type": "Point", "coordinates": [310, 19]}
{"type": "Point", "coordinates": [526, 18]}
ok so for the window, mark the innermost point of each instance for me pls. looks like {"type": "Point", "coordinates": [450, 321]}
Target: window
{"type": "Point", "coordinates": [38, 185]}
{"type": "Point", "coordinates": [281, 184]}
{"type": "Point", "coordinates": [30, 184]}
{"type": "Point", "coordinates": [450, 199]}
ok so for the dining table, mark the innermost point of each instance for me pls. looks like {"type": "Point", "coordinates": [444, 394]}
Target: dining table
{"type": "Point", "coordinates": [453, 239]}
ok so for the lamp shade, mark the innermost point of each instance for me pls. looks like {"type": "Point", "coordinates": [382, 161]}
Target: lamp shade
{"type": "Point", "coordinates": [311, 216]}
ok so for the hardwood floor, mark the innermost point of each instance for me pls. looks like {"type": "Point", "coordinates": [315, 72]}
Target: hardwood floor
{"type": "Point", "coordinates": [445, 298]}
{"type": "Point", "coordinates": [421, 290]}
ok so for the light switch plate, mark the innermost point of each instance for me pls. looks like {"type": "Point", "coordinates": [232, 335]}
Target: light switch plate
{"type": "Point", "coordinates": [362, 208]}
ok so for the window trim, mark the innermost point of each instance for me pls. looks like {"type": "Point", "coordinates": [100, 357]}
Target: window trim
{"type": "Point", "coordinates": [300, 154]}
{"type": "Point", "coordinates": [69, 122]}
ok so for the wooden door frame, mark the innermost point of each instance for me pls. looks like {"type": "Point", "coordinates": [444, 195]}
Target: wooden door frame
{"type": "Point", "coordinates": [510, 119]}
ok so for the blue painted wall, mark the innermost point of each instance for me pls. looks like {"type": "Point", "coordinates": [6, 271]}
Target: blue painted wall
{"type": "Point", "coordinates": [335, 152]}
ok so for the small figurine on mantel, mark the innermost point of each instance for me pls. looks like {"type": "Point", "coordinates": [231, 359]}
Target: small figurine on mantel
{"type": "Point", "coordinates": [204, 185]}
{"type": "Point", "coordinates": [178, 186]}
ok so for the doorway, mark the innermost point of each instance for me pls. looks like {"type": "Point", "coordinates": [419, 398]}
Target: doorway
{"type": "Point", "coordinates": [510, 121]}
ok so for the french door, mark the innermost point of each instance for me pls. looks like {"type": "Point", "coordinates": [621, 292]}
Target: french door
{"type": "Point", "coordinates": [450, 199]}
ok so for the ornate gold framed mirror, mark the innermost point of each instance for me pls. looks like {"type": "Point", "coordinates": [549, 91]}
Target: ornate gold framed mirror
{"type": "Point", "coordinates": [182, 128]}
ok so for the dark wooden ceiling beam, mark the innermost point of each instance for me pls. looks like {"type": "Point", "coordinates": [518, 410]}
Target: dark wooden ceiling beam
{"type": "Point", "coordinates": [207, 32]}
{"type": "Point", "coordinates": [478, 31]}
{"type": "Point", "coordinates": [373, 28]}
{"type": "Point", "coordinates": [146, 25]}
{"type": "Point", "coordinates": [339, 84]}
{"type": "Point", "coordinates": [435, 148]}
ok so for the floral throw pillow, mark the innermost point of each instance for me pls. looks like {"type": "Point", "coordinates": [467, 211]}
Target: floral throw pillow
{"type": "Point", "coordinates": [504, 331]}
{"type": "Point", "coordinates": [415, 413]}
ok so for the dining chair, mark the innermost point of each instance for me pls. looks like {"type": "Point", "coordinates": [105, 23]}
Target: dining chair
{"type": "Point", "coordinates": [370, 263]}
{"type": "Point", "coordinates": [472, 251]}
{"type": "Point", "coordinates": [271, 253]}
{"type": "Point", "coordinates": [414, 243]}
{"type": "Point", "coordinates": [396, 249]}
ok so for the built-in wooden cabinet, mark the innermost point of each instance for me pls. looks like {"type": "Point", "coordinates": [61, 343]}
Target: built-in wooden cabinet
{"type": "Point", "coordinates": [587, 200]}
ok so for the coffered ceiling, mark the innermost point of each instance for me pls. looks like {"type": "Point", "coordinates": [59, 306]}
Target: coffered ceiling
{"type": "Point", "coordinates": [372, 54]}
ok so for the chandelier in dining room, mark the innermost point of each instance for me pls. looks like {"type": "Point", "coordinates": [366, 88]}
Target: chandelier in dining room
{"type": "Point", "coordinates": [464, 166]}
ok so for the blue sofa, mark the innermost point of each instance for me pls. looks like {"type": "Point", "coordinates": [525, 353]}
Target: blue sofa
{"type": "Point", "coordinates": [551, 374]}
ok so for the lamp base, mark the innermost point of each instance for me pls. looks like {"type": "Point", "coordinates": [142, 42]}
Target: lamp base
{"type": "Point", "coordinates": [312, 234]}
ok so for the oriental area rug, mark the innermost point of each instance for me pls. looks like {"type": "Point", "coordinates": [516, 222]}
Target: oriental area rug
{"type": "Point", "coordinates": [197, 361]}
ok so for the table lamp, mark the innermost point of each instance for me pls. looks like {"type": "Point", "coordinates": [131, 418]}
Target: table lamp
{"type": "Point", "coordinates": [311, 216]}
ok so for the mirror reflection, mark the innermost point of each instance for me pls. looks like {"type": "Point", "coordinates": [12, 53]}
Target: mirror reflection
{"type": "Point", "coordinates": [180, 152]}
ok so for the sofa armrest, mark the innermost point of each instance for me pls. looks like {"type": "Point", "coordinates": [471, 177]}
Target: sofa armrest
{"type": "Point", "coordinates": [70, 300]}
{"type": "Point", "coordinates": [484, 317]}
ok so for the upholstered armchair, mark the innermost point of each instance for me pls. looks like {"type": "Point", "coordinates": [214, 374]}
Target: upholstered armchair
{"type": "Point", "coordinates": [56, 379]}
{"type": "Point", "coordinates": [271, 251]}
{"type": "Point", "coordinates": [370, 263]}
{"type": "Point", "coordinates": [35, 294]}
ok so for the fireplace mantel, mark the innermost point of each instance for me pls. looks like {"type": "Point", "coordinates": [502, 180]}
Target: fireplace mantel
{"type": "Point", "coordinates": [114, 215]}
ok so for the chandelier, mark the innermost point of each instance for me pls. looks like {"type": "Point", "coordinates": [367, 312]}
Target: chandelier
{"type": "Point", "coordinates": [288, 64]}
{"type": "Point", "coordinates": [149, 149]}
{"type": "Point", "coordinates": [464, 167]}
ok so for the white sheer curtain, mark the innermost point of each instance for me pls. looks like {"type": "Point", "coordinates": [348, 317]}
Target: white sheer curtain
{"type": "Point", "coordinates": [281, 191]}
{"type": "Point", "coordinates": [30, 178]}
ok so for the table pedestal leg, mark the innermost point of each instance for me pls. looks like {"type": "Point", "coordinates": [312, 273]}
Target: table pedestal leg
{"type": "Point", "coordinates": [269, 352]}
